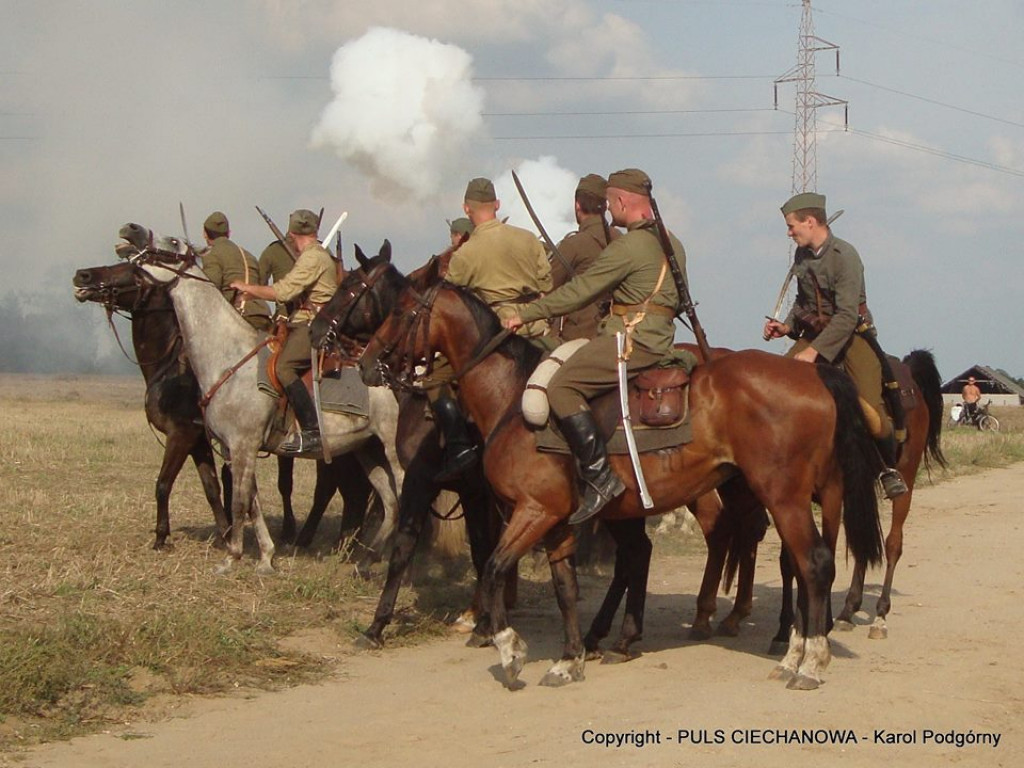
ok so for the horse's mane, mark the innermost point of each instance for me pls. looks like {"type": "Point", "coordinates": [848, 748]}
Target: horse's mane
{"type": "Point", "coordinates": [523, 354]}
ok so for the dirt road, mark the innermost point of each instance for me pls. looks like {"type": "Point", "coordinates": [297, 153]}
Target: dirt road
{"type": "Point", "coordinates": [950, 672]}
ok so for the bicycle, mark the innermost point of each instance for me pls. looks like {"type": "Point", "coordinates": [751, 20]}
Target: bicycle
{"type": "Point", "coordinates": [980, 418]}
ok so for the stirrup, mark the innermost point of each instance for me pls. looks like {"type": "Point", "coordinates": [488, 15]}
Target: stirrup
{"type": "Point", "coordinates": [610, 489]}
{"type": "Point", "coordinates": [892, 483]}
{"type": "Point", "coordinates": [456, 466]}
{"type": "Point", "coordinates": [301, 443]}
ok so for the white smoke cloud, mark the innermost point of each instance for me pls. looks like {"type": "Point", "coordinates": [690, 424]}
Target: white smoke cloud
{"type": "Point", "coordinates": [404, 108]}
{"type": "Point", "coordinates": [551, 189]}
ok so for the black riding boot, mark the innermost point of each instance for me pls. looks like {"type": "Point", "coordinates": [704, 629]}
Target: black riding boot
{"type": "Point", "coordinates": [308, 439]}
{"type": "Point", "coordinates": [600, 483]}
{"type": "Point", "coordinates": [459, 448]}
{"type": "Point", "coordinates": [891, 479]}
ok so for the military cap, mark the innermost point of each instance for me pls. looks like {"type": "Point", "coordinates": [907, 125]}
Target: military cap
{"type": "Point", "coordinates": [481, 191]}
{"type": "Point", "coordinates": [303, 222]}
{"type": "Point", "coordinates": [802, 201]}
{"type": "Point", "coordinates": [216, 224]}
{"type": "Point", "coordinates": [592, 184]}
{"type": "Point", "coordinates": [460, 226]}
{"type": "Point", "coordinates": [631, 180]}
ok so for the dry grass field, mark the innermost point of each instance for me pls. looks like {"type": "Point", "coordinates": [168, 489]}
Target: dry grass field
{"type": "Point", "coordinates": [94, 624]}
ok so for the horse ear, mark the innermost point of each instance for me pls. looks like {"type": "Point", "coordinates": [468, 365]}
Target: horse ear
{"type": "Point", "coordinates": [361, 257]}
{"type": "Point", "coordinates": [385, 250]}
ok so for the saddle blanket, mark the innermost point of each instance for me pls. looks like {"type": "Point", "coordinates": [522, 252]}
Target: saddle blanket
{"type": "Point", "coordinates": [341, 391]}
{"type": "Point", "coordinates": [647, 438]}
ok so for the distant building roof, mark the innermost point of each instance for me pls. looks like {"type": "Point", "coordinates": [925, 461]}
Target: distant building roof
{"type": "Point", "coordinates": [989, 381]}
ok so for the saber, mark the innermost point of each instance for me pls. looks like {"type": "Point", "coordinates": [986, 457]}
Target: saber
{"type": "Point", "coordinates": [789, 275]}
{"type": "Point", "coordinates": [627, 423]}
{"type": "Point", "coordinates": [334, 230]}
{"type": "Point", "coordinates": [315, 364]}
{"type": "Point", "coordinates": [540, 227]}
{"type": "Point", "coordinates": [184, 226]}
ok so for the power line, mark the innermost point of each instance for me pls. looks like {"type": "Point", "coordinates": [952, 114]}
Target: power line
{"type": "Point", "coordinates": [911, 35]}
{"type": "Point", "coordinates": [641, 135]}
{"type": "Point", "coordinates": [609, 113]}
{"type": "Point", "coordinates": [933, 101]}
{"type": "Point", "coordinates": [620, 79]}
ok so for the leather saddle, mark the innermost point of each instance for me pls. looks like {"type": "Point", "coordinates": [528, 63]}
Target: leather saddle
{"type": "Point", "coordinates": [657, 400]}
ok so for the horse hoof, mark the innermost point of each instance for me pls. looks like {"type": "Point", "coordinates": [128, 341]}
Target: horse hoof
{"type": "Point", "coordinates": [803, 683]}
{"type": "Point", "coordinates": [265, 569]}
{"type": "Point", "coordinates": [593, 654]}
{"type": "Point", "coordinates": [842, 625]}
{"type": "Point", "coordinates": [224, 568]}
{"type": "Point", "coordinates": [781, 673]}
{"type": "Point", "coordinates": [367, 643]}
{"type": "Point", "coordinates": [778, 648]}
{"type": "Point", "coordinates": [564, 672]}
{"type": "Point", "coordinates": [618, 657]}
{"type": "Point", "coordinates": [476, 640]}
{"type": "Point", "coordinates": [700, 634]}
{"type": "Point", "coordinates": [728, 629]}
{"type": "Point", "coordinates": [878, 632]}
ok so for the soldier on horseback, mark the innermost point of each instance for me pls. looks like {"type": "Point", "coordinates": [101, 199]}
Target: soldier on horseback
{"type": "Point", "coordinates": [634, 270]}
{"type": "Point", "coordinates": [830, 320]}
{"type": "Point", "coordinates": [225, 262]}
{"type": "Point", "coordinates": [501, 264]}
{"type": "Point", "coordinates": [311, 283]}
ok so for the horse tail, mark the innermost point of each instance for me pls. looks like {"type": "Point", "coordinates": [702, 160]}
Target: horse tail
{"type": "Point", "coordinates": [747, 527]}
{"type": "Point", "coordinates": [860, 464]}
{"type": "Point", "coordinates": [922, 367]}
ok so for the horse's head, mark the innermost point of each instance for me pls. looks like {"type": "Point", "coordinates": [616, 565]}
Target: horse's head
{"type": "Point", "coordinates": [162, 257]}
{"type": "Point", "coordinates": [365, 297]}
{"type": "Point", "coordinates": [118, 286]}
{"type": "Point", "coordinates": [444, 319]}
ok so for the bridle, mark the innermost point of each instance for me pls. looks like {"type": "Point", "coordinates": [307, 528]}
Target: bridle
{"type": "Point", "coordinates": [416, 324]}
{"type": "Point", "coordinates": [372, 315]}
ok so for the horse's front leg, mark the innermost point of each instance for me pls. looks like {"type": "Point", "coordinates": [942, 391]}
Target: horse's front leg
{"type": "Point", "coordinates": [561, 546]}
{"type": "Point", "coordinates": [528, 525]}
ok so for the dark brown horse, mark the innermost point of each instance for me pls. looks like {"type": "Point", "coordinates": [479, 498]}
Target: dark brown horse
{"type": "Point", "coordinates": [924, 433]}
{"type": "Point", "coordinates": [791, 429]}
{"type": "Point", "coordinates": [172, 407]}
{"type": "Point", "coordinates": [356, 311]}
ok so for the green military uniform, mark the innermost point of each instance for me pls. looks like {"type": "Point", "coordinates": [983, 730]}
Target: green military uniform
{"type": "Point", "coordinates": [581, 249]}
{"type": "Point", "coordinates": [225, 262]}
{"type": "Point", "coordinates": [836, 273]}
{"type": "Point", "coordinates": [311, 283]}
{"type": "Point", "coordinates": [629, 269]}
{"type": "Point", "coordinates": [275, 262]}
{"type": "Point", "coordinates": [502, 264]}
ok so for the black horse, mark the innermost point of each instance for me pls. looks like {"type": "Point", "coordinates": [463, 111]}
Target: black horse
{"type": "Point", "coordinates": [354, 314]}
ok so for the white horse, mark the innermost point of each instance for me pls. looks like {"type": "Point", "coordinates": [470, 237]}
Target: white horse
{"type": "Point", "coordinates": [217, 338]}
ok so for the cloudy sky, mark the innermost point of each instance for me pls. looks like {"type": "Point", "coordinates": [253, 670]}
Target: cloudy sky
{"type": "Point", "coordinates": [117, 111]}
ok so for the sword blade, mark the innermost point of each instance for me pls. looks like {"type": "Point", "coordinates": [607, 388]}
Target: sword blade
{"type": "Point", "coordinates": [627, 423]}
{"type": "Point", "coordinates": [540, 227]}
{"type": "Point", "coordinates": [315, 363]}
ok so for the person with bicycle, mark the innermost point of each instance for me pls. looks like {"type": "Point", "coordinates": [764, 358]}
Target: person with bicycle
{"type": "Point", "coordinates": [971, 396]}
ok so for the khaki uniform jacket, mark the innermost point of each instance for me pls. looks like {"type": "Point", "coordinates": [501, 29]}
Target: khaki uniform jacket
{"type": "Point", "coordinates": [501, 264]}
{"type": "Point", "coordinates": [275, 263]}
{"type": "Point", "coordinates": [311, 282]}
{"type": "Point", "coordinates": [840, 278]}
{"type": "Point", "coordinates": [581, 249]}
{"type": "Point", "coordinates": [629, 269]}
{"type": "Point", "coordinates": [225, 262]}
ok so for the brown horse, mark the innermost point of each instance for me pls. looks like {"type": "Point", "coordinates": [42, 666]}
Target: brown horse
{"type": "Point", "coordinates": [172, 407]}
{"type": "Point", "coordinates": [791, 429]}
